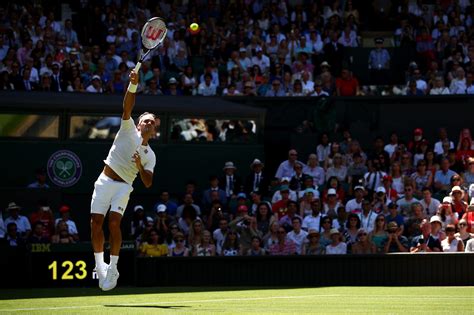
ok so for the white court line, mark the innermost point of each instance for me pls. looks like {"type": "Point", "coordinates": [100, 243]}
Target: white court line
{"type": "Point", "coordinates": [235, 300]}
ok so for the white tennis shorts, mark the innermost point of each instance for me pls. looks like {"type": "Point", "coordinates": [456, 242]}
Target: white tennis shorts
{"type": "Point", "coordinates": [110, 194]}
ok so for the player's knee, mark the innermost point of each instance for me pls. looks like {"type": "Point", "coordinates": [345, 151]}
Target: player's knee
{"type": "Point", "coordinates": [96, 222]}
{"type": "Point", "coordinates": [114, 222]}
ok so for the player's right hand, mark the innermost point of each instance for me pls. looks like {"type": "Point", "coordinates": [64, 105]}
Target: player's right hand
{"type": "Point", "coordinates": [133, 77]}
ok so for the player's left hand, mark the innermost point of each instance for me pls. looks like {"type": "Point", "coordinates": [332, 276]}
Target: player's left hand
{"type": "Point", "coordinates": [133, 77]}
{"type": "Point", "coordinates": [137, 159]}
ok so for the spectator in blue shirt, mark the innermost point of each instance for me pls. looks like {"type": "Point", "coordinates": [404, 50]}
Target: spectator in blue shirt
{"type": "Point", "coordinates": [442, 179]}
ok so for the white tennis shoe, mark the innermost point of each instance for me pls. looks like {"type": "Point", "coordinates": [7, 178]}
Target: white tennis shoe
{"type": "Point", "coordinates": [111, 278]}
{"type": "Point", "coordinates": [101, 273]}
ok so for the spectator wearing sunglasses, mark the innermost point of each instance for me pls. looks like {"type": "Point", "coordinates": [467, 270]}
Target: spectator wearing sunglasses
{"type": "Point", "coordinates": [364, 245]}
{"type": "Point", "coordinates": [180, 250]}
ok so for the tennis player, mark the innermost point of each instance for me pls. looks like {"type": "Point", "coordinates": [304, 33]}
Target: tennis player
{"type": "Point", "coordinates": [129, 155]}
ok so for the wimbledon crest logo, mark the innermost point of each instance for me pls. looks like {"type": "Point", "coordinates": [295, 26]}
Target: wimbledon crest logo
{"type": "Point", "coordinates": [64, 168]}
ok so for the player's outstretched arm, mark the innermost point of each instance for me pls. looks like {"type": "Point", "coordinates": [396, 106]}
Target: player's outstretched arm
{"type": "Point", "coordinates": [129, 99]}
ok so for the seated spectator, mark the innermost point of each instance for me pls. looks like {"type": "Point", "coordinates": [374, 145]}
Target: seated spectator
{"type": "Point", "coordinates": [283, 246]}
{"type": "Point", "coordinates": [446, 213]}
{"type": "Point", "coordinates": [95, 86]}
{"type": "Point", "coordinates": [338, 168]}
{"type": "Point", "coordinates": [13, 238]}
{"type": "Point", "coordinates": [452, 243]}
{"type": "Point", "coordinates": [463, 233]}
{"type": "Point", "coordinates": [437, 228]}
{"type": "Point", "coordinates": [62, 235]}
{"type": "Point", "coordinates": [395, 242]}
{"type": "Point", "coordinates": [22, 225]}
{"type": "Point", "coordinates": [458, 84]}
{"type": "Point", "coordinates": [195, 234]}
{"type": "Point", "coordinates": [413, 90]}
{"type": "Point", "coordinates": [145, 234]}
{"type": "Point", "coordinates": [179, 250]}
{"type": "Point", "coordinates": [162, 221]}
{"type": "Point", "coordinates": [40, 179]}
{"type": "Point", "coordinates": [173, 88]}
{"type": "Point", "coordinates": [426, 242]}
{"type": "Point", "coordinates": [336, 247]}
{"type": "Point", "coordinates": [188, 200]}
{"type": "Point", "coordinates": [275, 90]}
{"type": "Point", "coordinates": [379, 235]}
{"type": "Point", "coordinates": [255, 247]}
{"type": "Point", "coordinates": [470, 246]}
{"type": "Point", "coordinates": [313, 246]}
{"type": "Point", "coordinates": [364, 245]}
{"type": "Point", "coordinates": [325, 230]}
{"type": "Point", "coordinates": [313, 169]}
{"type": "Point", "coordinates": [367, 216]}
{"type": "Point", "coordinates": [459, 206]}
{"type": "Point", "coordinates": [347, 85]}
{"type": "Point", "coordinates": [404, 204]}
{"type": "Point", "coordinates": [246, 226]}
{"type": "Point", "coordinates": [206, 247]}
{"type": "Point", "coordinates": [207, 88]}
{"type": "Point", "coordinates": [429, 204]}
{"type": "Point", "coordinates": [394, 216]}
{"type": "Point", "coordinates": [231, 246]}
{"type": "Point", "coordinates": [169, 238]}
{"type": "Point", "coordinates": [439, 88]}
{"type": "Point", "coordinates": [297, 235]}
{"type": "Point", "coordinates": [297, 89]}
{"type": "Point", "coordinates": [352, 228]}
{"type": "Point", "coordinates": [286, 221]}
{"type": "Point", "coordinates": [44, 214]}
{"type": "Point", "coordinates": [188, 217]}
{"type": "Point", "coordinates": [64, 212]}
{"type": "Point", "coordinates": [264, 217]}
{"type": "Point", "coordinates": [219, 235]}
{"type": "Point", "coordinates": [37, 234]}
{"type": "Point", "coordinates": [152, 247]}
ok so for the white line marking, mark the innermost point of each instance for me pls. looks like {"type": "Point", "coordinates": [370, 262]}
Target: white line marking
{"type": "Point", "coordinates": [370, 296]}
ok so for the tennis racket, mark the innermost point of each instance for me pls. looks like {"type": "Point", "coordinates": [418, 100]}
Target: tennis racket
{"type": "Point", "coordinates": [153, 33]}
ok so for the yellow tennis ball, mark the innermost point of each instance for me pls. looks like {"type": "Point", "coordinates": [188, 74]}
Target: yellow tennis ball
{"type": "Point", "coordinates": [194, 27]}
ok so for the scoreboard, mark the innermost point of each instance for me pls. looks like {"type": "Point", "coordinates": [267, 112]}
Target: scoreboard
{"type": "Point", "coordinates": [69, 265]}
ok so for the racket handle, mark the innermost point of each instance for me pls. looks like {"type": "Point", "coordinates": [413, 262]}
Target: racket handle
{"type": "Point", "coordinates": [137, 67]}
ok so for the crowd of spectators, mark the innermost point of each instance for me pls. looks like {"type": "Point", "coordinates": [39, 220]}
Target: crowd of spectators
{"type": "Point", "coordinates": [398, 196]}
{"type": "Point", "coordinates": [41, 227]}
{"type": "Point", "coordinates": [264, 48]}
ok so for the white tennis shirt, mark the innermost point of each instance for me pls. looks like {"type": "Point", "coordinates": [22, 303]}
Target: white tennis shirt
{"type": "Point", "coordinates": [127, 141]}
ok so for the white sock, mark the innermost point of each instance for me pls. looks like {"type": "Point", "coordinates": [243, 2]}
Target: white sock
{"type": "Point", "coordinates": [99, 259]}
{"type": "Point", "coordinates": [114, 260]}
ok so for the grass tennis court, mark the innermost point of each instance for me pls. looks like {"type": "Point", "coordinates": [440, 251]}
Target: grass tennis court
{"type": "Point", "coordinates": [334, 300]}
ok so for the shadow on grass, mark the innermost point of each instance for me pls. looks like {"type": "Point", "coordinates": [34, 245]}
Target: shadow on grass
{"type": "Point", "coordinates": [171, 307]}
{"type": "Point", "coordinates": [14, 294]}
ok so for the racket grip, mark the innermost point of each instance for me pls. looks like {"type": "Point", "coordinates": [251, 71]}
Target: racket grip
{"type": "Point", "coordinates": [137, 67]}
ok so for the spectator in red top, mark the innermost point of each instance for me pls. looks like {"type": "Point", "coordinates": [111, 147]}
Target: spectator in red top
{"type": "Point", "coordinates": [415, 143]}
{"type": "Point", "coordinates": [45, 216]}
{"type": "Point", "coordinates": [464, 152]}
{"type": "Point", "coordinates": [347, 85]}
{"type": "Point", "coordinates": [281, 207]}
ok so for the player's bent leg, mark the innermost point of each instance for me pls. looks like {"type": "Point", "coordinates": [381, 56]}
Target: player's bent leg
{"type": "Point", "coordinates": [112, 276]}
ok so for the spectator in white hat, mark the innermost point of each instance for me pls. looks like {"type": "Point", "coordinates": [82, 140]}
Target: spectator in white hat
{"type": "Point", "coordinates": [95, 86]}
{"type": "Point", "coordinates": [336, 247]}
{"type": "Point", "coordinates": [257, 180]}
{"type": "Point", "coordinates": [230, 182]}
{"type": "Point", "coordinates": [355, 204]}
{"type": "Point", "coordinates": [458, 204]}
{"type": "Point", "coordinates": [446, 213]}
{"type": "Point", "coordinates": [22, 223]}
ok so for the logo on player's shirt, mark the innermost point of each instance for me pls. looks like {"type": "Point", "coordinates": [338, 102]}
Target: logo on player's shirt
{"type": "Point", "coordinates": [120, 209]}
{"type": "Point", "coordinates": [146, 151]}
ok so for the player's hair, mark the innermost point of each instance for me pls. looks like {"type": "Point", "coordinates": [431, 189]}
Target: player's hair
{"type": "Point", "coordinates": [144, 114]}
